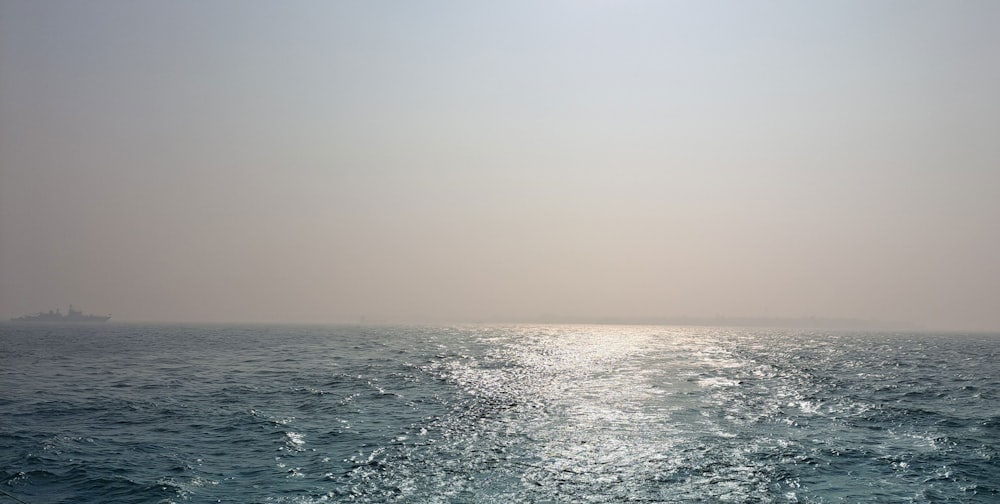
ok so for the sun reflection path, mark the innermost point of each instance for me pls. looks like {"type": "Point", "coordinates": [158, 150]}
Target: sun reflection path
{"type": "Point", "coordinates": [608, 410]}
{"type": "Point", "coordinates": [580, 414]}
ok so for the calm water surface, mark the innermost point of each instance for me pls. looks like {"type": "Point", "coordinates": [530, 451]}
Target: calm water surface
{"type": "Point", "coordinates": [169, 414]}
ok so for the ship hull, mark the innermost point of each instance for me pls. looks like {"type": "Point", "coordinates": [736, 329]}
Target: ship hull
{"type": "Point", "coordinates": [64, 320]}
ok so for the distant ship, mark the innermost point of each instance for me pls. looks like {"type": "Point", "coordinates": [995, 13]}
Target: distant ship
{"type": "Point", "coordinates": [56, 316]}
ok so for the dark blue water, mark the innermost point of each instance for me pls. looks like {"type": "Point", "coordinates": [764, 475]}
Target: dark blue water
{"type": "Point", "coordinates": [160, 414]}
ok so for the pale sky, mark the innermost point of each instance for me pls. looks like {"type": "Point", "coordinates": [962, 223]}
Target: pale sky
{"type": "Point", "coordinates": [324, 161]}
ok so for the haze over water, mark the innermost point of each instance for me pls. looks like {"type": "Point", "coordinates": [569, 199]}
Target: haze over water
{"type": "Point", "coordinates": [432, 161]}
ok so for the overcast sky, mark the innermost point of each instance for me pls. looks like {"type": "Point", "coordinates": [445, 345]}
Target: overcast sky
{"type": "Point", "coordinates": [315, 161]}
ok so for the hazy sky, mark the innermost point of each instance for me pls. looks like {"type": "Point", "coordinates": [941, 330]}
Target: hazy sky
{"type": "Point", "coordinates": [330, 160]}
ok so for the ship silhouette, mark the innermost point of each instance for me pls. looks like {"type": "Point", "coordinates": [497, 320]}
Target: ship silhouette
{"type": "Point", "coordinates": [57, 316]}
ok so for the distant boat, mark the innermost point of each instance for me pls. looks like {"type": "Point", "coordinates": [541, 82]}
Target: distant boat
{"type": "Point", "coordinates": [57, 316]}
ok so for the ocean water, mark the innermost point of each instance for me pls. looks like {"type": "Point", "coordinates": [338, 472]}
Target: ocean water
{"type": "Point", "coordinates": [267, 414]}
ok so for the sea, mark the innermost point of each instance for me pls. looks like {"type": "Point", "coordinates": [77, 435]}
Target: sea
{"type": "Point", "coordinates": [119, 413]}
